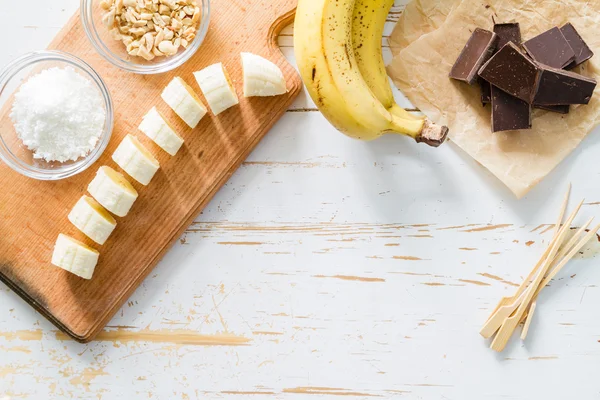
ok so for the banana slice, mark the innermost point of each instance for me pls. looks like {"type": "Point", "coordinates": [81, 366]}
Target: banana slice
{"type": "Point", "coordinates": [156, 127]}
{"type": "Point", "coordinates": [136, 160]}
{"type": "Point", "coordinates": [217, 88]}
{"type": "Point", "coordinates": [75, 257]}
{"type": "Point", "coordinates": [92, 219]}
{"type": "Point", "coordinates": [262, 77]}
{"type": "Point", "coordinates": [184, 101]}
{"type": "Point", "coordinates": [113, 191]}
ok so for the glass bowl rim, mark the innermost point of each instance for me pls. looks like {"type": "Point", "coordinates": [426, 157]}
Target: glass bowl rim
{"type": "Point", "coordinates": [28, 60]}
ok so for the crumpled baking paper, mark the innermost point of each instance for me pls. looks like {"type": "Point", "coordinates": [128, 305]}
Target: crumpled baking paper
{"type": "Point", "coordinates": [419, 17]}
{"type": "Point", "coordinates": [520, 159]}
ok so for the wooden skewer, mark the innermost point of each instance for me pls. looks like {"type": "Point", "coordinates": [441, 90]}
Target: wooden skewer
{"type": "Point", "coordinates": [494, 322]}
{"type": "Point", "coordinates": [510, 324]}
{"type": "Point", "coordinates": [567, 258]}
{"type": "Point", "coordinates": [563, 252]}
{"type": "Point", "coordinates": [528, 320]}
{"type": "Point", "coordinates": [562, 210]}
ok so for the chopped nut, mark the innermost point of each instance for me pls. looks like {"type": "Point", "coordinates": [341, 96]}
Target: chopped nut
{"type": "Point", "coordinates": [149, 41]}
{"type": "Point", "coordinates": [164, 10]}
{"type": "Point", "coordinates": [106, 4]}
{"type": "Point", "coordinates": [137, 31]}
{"type": "Point", "coordinates": [186, 22]}
{"type": "Point", "coordinates": [143, 52]}
{"type": "Point", "coordinates": [127, 39]}
{"type": "Point", "coordinates": [129, 3]}
{"type": "Point", "coordinates": [167, 47]}
{"type": "Point", "coordinates": [184, 43]}
{"type": "Point", "coordinates": [160, 36]}
{"type": "Point", "coordinates": [157, 52]}
{"type": "Point", "coordinates": [169, 4]}
{"type": "Point", "coordinates": [168, 34]}
{"type": "Point", "coordinates": [196, 16]}
{"type": "Point", "coordinates": [140, 23]}
{"type": "Point", "coordinates": [109, 19]}
{"type": "Point", "coordinates": [176, 24]}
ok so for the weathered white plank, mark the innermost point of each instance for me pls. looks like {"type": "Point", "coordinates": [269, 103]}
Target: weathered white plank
{"type": "Point", "coordinates": [329, 267]}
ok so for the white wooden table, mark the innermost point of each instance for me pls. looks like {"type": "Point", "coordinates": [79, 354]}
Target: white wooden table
{"type": "Point", "coordinates": [329, 268]}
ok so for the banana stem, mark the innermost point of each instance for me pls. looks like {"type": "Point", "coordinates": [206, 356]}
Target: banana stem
{"type": "Point", "coordinates": [422, 130]}
{"type": "Point", "coordinates": [432, 134]}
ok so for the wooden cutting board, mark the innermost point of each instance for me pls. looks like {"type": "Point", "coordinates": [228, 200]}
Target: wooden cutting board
{"type": "Point", "coordinates": [33, 213]}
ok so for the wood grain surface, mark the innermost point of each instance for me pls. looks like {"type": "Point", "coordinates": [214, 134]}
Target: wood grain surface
{"type": "Point", "coordinates": [34, 213]}
{"type": "Point", "coordinates": [328, 268]}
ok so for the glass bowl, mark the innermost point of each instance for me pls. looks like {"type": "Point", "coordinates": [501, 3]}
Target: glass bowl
{"type": "Point", "coordinates": [12, 151]}
{"type": "Point", "coordinates": [114, 51]}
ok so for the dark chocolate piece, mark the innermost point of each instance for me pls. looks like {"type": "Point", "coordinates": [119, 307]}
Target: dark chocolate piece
{"type": "Point", "coordinates": [513, 72]}
{"type": "Point", "coordinates": [508, 112]}
{"type": "Point", "coordinates": [550, 48]}
{"type": "Point", "coordinates": [564, 109]}
{"type": "Point", "coordinates": [581, 49]}
{"type": "Point", "coordinates": [508, 33]}
{"type": "Point", "coordinates": [557, 87]}
{"type": "Point", "coordinates": [476, 52]}
{"type": "Point", "coordinates": [486, 91]}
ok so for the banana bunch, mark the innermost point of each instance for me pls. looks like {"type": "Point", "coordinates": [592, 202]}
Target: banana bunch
{"type": "Point", "coordinates": [338, 50]}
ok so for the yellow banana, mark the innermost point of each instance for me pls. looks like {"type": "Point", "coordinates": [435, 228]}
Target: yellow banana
{"type": "Point", "coordinates": [368, 23]}
{"type": "Point", "coordinates": [328, 66]}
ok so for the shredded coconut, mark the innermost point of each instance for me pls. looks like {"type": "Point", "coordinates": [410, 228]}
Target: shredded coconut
{"type": "Point", "coordinates": [59, 115]}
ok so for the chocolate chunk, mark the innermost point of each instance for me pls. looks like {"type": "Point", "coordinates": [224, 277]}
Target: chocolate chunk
{"type": "Point", "coordinates": [508, 112]}
{"type": "Point", "coordinates": [486, 91]}
{"type": "Point", "coordinates": [558, 87]}
{"type": "Point", "coordinates": [581, 49]}
{"type": "Point", "coordinates": [513, 72]}
{"type": "Point", "coordinates": [550, 48]}
{"type": "Point", "coordinates": [476, 52]}
{"type": "Point", "coordinates": [564, 109]}
{"type": "Point", "coordinates": [508, 33]}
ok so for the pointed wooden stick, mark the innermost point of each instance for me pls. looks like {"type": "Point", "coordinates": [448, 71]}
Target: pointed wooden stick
{"type": "Point", "coordinates": [568, 258]}
{"type": "Point", "coordinates": [528, 320]}
{"type": "Point", "coordinates": [563, 210]}
{"type": "Point", "coordinates": [510, 324]}
{"type": "Point", "coordinates": [494, 322]}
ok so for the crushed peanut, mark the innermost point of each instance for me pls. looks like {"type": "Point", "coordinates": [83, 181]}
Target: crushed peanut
{"type": "Point", "coordinates": [152, 28]}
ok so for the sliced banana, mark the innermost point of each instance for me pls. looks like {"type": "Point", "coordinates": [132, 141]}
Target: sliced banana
{"type": "Point", "coordinates": [262, 77]}
{"type": "Point", "coordinates": [217, 88]}
{"type": "Point", "coordinates": [113, 191]}
{"type": "Point", "coordinates": [156, 127]}
{"type": "Point", "coordinates": [92, 219]}
{"type": "Point", "coordinates": [75, 257]}
{"type": "Point", "coordinates": [184, 101]}
{"type": "Point", "coordinates": [136, 160]}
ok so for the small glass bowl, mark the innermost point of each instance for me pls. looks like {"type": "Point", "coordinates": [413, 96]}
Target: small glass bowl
{"type": "Point", "coordinates": [115, 52]}
{"type": "Point", "coordinates": [12, 151]}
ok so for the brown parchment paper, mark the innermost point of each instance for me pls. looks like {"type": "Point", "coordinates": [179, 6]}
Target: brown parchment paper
{"type": "Point", "coordinates": [419, 17]}
{"type": "Point", "coordinates": [520, 159]}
